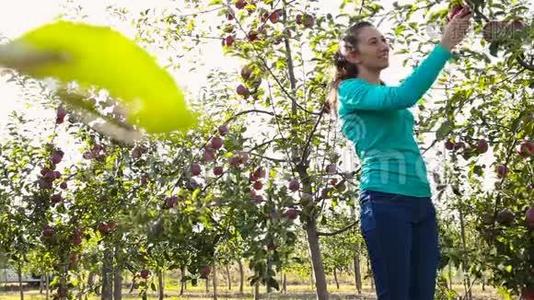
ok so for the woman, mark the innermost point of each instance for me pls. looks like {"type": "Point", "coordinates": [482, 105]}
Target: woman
{"type": "Point", "coordinates": [398, 219]}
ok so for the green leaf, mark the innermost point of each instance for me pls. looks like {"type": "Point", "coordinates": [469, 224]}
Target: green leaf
{"type": "Point", "coordinates": [101, 57]}
{"type": "Point", "coordinates": [443, 130]}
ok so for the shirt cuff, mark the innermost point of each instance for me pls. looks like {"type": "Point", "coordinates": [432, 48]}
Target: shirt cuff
{"type": "Point", "coordinates": [443, 51]}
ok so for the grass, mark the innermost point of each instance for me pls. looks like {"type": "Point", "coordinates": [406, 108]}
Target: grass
{"type": "Point", "coordinates": [299, 291]}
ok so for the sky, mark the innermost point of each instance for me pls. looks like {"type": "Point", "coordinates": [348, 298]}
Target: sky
{"type": "Point", "coordinates": [23, 15]}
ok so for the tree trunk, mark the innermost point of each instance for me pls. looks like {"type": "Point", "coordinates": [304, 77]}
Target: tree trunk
{"type": "Point", "coordinates": [160, 285]}
{"type": "Point", "coordinates": [465, 266]}
{"type": "Point", "coordinates": [317, 263]}
{"type": "Point", "coordinates": [256, 291]}
{"type": "Point", "coordinates": [228, 277]}
{"type": "Point", "coordinates": [21, 289]}
{"type": "Point", "coordinates": [335, 278]}
{"type": "Point", "coordinates": [207, 285]}
{"type": "Point", "coordinates": [41, 284]}
{"type": "Point", "coordinates": [117, 275]}
{"type": "Point", "coordinates": [182, 282]}
{"type": "Point", "coordinates": [284, 284]}
{"type": "Point", "coordinates": [47, 291]}
{"type": "Point", "coordinates": [63, 288]}
{"type": "Point", "coordinates": [117, 283]}
{"type": "Point", "coordinates": [357, 272]}
{"type": "Point", "coordinates": [107, 274]}
{"type": "Point", "coordinates": [241, 276]}
{"type": "Point", "coordinates": [370, 272]}
{"type": "Point", "coordinates": [267, 286]}
{"type": "Point", "coordinates": [214, 281]}
{"type": "Point", "coordinates": [91, 280]}
{"type": "Point", "coordinates": [450, 276]}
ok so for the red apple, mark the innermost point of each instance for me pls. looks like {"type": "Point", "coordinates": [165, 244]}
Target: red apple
{"type": "Point", "coordinates": [530, 218]}
{"type": "Point", "coordinates": [505, 217]}
{"type": "Point", "coordinates": [48, 231]}
{"type": "Point", "coordinates": [294, 185]}
{"type": "Point", "coordinates": [56, 198]}
{"type": "Point", "coordinates": [229, 16]}
{"type": "Point", "coordinates": [331, 169]}
{"type": "Point", "coordinates": [252, 36]}
{"type": "Point", "coordinates": [298, 19]}
{"type": "Point", "coordinates": [308, 21]}
{"type": "Point", "coordinates": [257, 185]}
{"type": "Point", "coordinates": [482, 146]}
{"type": "Point", "coordinates": [144, 179]}
{"type": "Point", "coordinates": [195, 169]}
{"type": "Point", "coordinates": [60, 115]}
{"type": "Point", "coordinates": [271, 246]}
{"type": "Point", "coordinates": [216, 142]}
{"type": "Point", "coordinates": [205, 272]}
{"type": "Point", "coordinates": [449, 145]}
{"type": "Point", "coordinates": [234, 161]}
{"type": "Point", "coordinates": [170, 202]}
{"type": "Point", "coordinates": [243, 157]}
{"type": "Point", "coordinates": [260, 173]}
{"type": "Point", "coordinates": [252, 177]}
{"type": "Point", "coordinates": [240, 4]}
{"type": "Point", "coordinates": [274, 17]}
{"type": "Point", "coordinates": [44, 171]}
{"type": "Point", "coordinates": [246, 72]}
{"type": "Point", "coordinates": [56, 156]}
{"type": "Point", "coordinates": [145, 273]}
{"type": "Point", "coordinates": [223, 129]}
{"type": "Point", "coordinates": [333, 181]}
{"type": "Point", "coordinates": [87, 155]}
{"type": "Point", "coordinates": [137, 152]}
{"type": "Point", "coordinates": [257, 199]}
{"type": "Point", "coordinates": [76, 239]}
{"type": "Point", "coordinates": [209, 155]}
{"type": "Point", "coordinates": [44, 184]}
{"type": "Point", "coordinates": [502, 170]}
{"type": "Point", "coordinates": [291, 213]}
{"type": "Point", "coordinates": [526, 149]}
{"type": "Point", "coordinates": [228, 41]}
{"type": "Point", "coordinates": [242, 91]}
{"type": "Point", "coordinates": [50, 176]}
{"type": "Point", "coordinates": [73, 260]}
{"type": "Point", "coordinates": [104, 228]}
{"type": "Point", "coordinates": [63, 185]}
{"type": "Point", "coordinates": [218, 171]}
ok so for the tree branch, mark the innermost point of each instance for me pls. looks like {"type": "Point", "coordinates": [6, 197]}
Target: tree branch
{"type": "Point", "coordinates": [339, 230]}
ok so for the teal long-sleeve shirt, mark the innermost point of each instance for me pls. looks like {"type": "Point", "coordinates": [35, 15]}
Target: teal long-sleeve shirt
{"type": "Point", "coordinates": [376, 119]}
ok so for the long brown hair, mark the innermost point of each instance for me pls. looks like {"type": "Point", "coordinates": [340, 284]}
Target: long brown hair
{"type": "Point", "coordinates": [343, 68]}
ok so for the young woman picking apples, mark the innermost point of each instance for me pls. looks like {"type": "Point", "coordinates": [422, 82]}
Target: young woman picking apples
{"type": "Point", "coordinates": [398, 218]}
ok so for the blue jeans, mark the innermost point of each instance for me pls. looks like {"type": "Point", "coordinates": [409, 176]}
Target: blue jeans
{"type": "Point", "coordinates": [401, 235]}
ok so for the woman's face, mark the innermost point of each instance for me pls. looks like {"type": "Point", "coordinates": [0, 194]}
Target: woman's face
{"type": "Point", "coordinates": [373, 50]}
